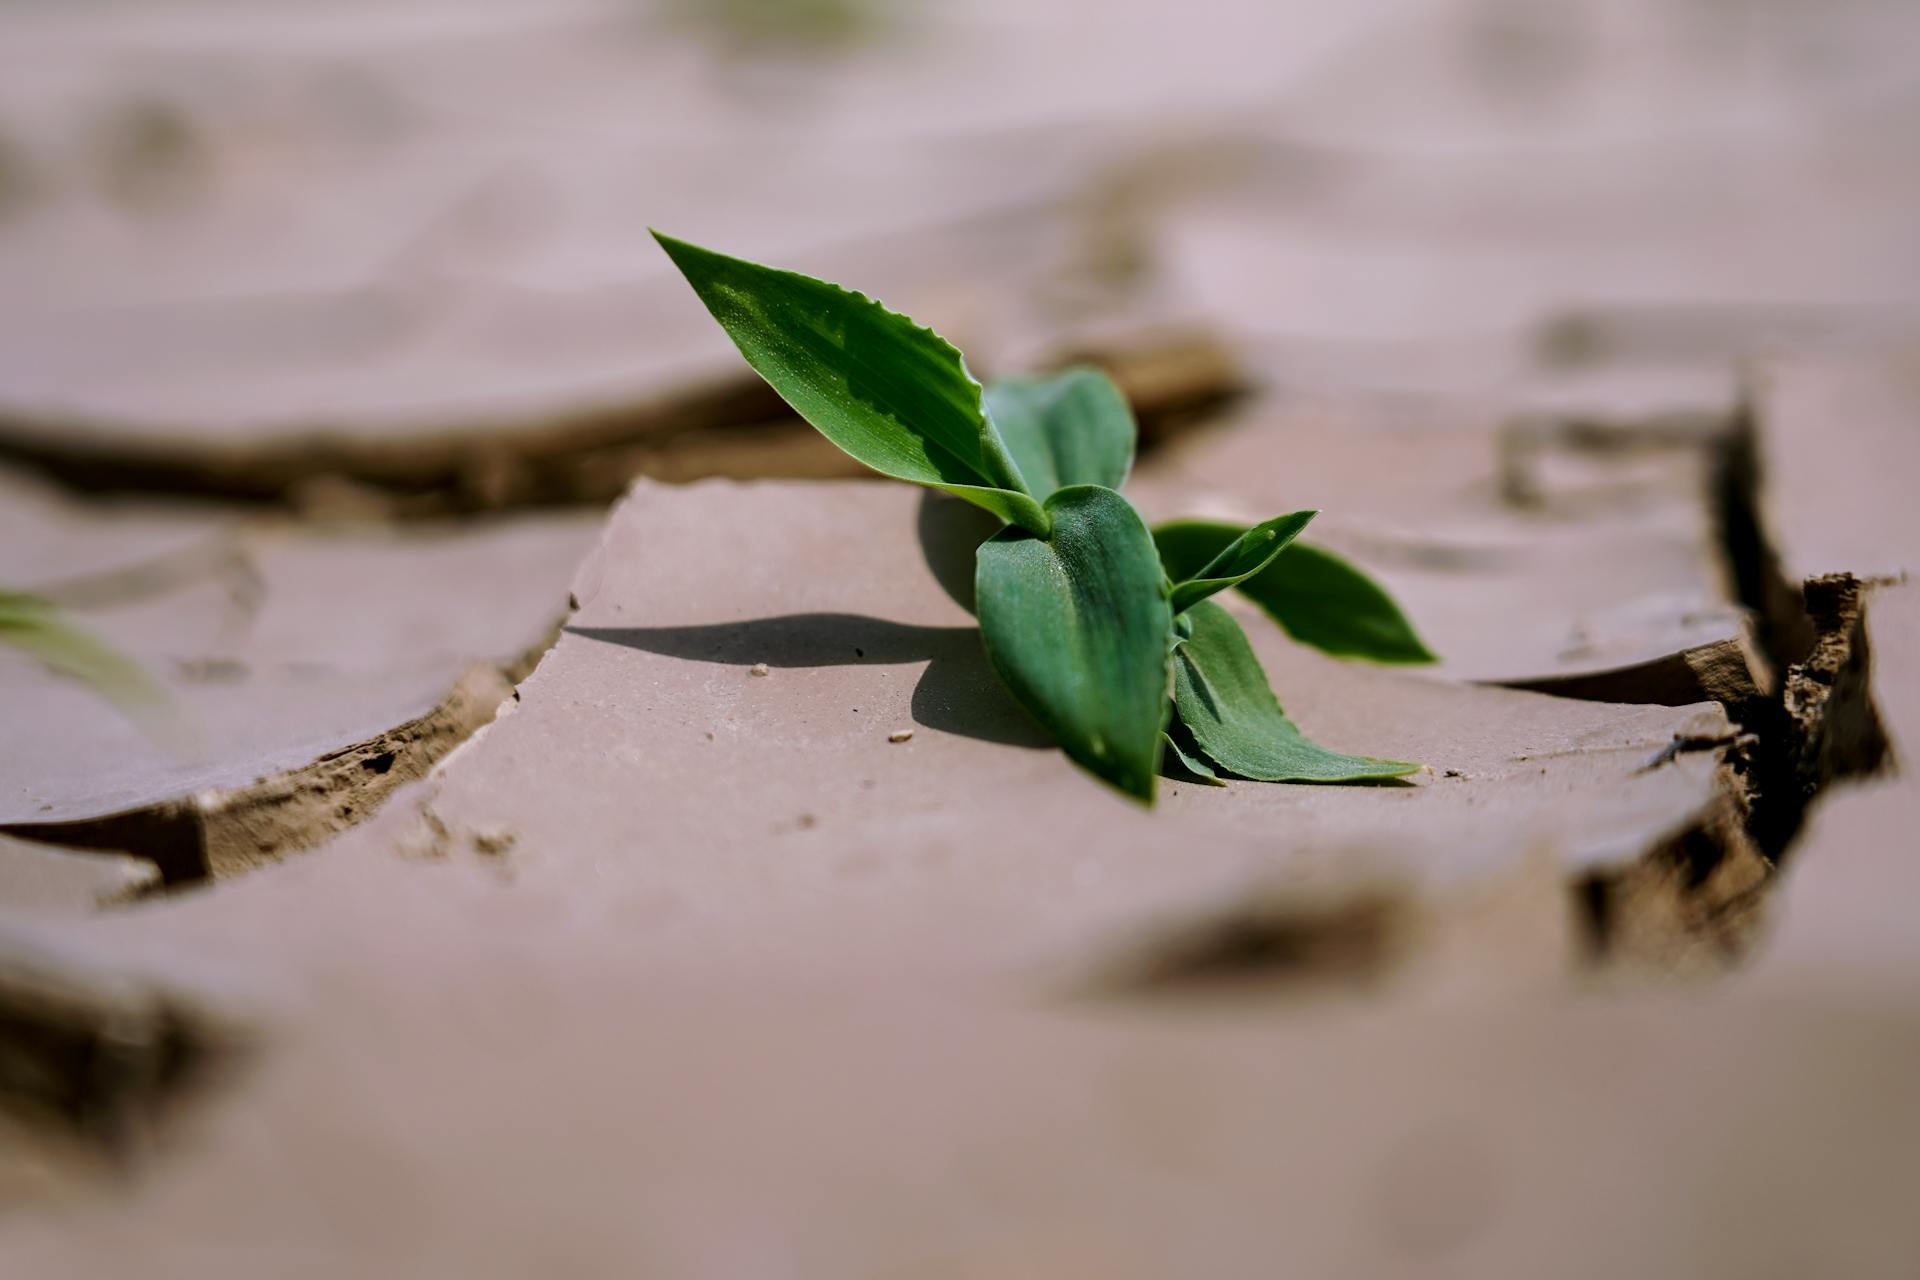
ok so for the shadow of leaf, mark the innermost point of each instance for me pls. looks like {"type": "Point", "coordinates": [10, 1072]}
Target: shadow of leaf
{"type": "Point", "coordinates": [950, 532]}
{"type": "Point", "coordinates": [958, 693]}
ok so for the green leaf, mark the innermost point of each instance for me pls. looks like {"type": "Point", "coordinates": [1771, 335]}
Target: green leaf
{"type": "Point", "coordinates": [890, 393]}
{"type": "Point", "coordinates": [1078, 628]}
{"type": "Point", "coordinates": [1223, 700]}
{"type": "Point", "coordinates": [1317, 597]}
{"type": "Point", "coordinates": [1246, 554]}
{"type": "Point", "coordinates": [1327, 602]}
{"type": "Point", "coordinates": [34, 627]}
{"type": "Point", "coordinates": [1192, 762]}
{"type": "Point", "coordinates": [1071, 428]}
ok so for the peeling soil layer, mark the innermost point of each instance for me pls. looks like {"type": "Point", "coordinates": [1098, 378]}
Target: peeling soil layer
{"type": "Point", "coordinates": [735, 428]}
{"type": "Point", "coordinates": [224, 832]}
{"type": "Point", "coordinates": [303, 671]}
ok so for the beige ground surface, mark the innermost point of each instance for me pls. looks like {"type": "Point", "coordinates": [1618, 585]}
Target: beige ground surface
{"type": "Point", "coordinates": [1580, 561]}
{"type": "Point", "coordinates": [355, 655]}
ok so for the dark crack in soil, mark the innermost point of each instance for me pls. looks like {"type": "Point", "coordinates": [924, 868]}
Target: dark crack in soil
{"type": "Point", "coordinates": [224, 833]}
{"type": "Point", "coordinates": [1694, 903]}
{"type": "Point", "coordinates": [1697, 902]}
{"type": "Point", "coordinates": [94, 1065]}
{"type": "Point", "coordinates": [731, 428]}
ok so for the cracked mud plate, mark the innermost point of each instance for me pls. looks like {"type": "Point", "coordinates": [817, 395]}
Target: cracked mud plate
{"type": "Point", "coordinates": [309, 671]}
{"type": "Point", "coordinates": [1583, 563]}
{"type": "Point", "coordinates": [646, 758]}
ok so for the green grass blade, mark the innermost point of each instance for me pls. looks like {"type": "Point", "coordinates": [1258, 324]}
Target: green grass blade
{"type": "Point", "coordinates": [1069, 428]}
{"type": "Point", "coordinates": [1223, 700]}
{"type": "Point", "coordinates": [1078, 627]}
{"type": "Point", "coordinates": [1246, 554]}
{"type": "Point", "coordinates": [1317, 597]}
{"type": "Point", "coordinates": [892, 394]}
{"type": "Point", "coordinates": [34, 627]}
{"type": "Point", "coordinates": [1192, 763]}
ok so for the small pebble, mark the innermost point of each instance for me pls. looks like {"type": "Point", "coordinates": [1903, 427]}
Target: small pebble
{"type": "Point", "coordinates": [757, 669]}
{"type": "Point", "coordinates": [900, 735]}
{"type": "Point", "coordinates": [492, 841]}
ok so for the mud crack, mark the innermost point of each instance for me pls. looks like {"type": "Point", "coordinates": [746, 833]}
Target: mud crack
{"type": "Point", "coordinates": [93, 1066]}
{"type": "Point", "coordinates": [222, 833]}
{"type": "Point", "coordinates": [1818, 724]}
{"type": "Point", "coordinates": [731, 428]}
{"type": "Point", "coordinates": [1697, 901]}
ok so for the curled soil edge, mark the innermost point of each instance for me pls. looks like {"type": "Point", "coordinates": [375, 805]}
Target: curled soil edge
{"type": "Point", "coordinates": [731, 427]}
{"type": "Point", "coordinates": [222, 833]}
{"type": "Point", "coordinates": [1696, 902]}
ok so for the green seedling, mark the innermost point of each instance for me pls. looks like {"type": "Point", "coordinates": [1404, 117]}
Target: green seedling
{"type": "Point", "coordinates": [1102, 628]}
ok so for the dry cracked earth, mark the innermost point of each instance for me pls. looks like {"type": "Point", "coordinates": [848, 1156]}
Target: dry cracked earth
{"type": "Point", "coordinates": [527, 884]}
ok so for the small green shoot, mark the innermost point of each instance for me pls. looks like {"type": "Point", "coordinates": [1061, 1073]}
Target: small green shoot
{"type": "Point", "coordinates": [1101, 628]}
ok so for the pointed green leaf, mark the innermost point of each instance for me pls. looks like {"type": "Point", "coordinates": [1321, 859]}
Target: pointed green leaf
{"type": "Point", "coordinates": [1223, 700]}
{"type": "Point", "coordinates": [1078, 628]}
{"type": "Point", "coordinates": [1073, 427]}
{"type": "Point", "coordinates": [1326, 601]}
{"type": "Point", "coordinates": [1192, 763]}
{"type": "Point", "coordinates": [1317, 597]}
{"type": "Point", "coordinates": [1240, 558]}
{"type": "Point", "coordinates": [890, 393]}
{"type": "Point", "coordinates": [34, 627]}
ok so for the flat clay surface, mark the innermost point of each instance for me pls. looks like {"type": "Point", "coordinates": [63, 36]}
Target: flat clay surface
{"type": "Point", "coordinates": [275, 644]}
{"type": "Point", "coordinates": [763, 792]}
{"type": "Point", "coordinates": [1521, 557]}
{"type": "Point", "coordinates": [1837, 451]}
